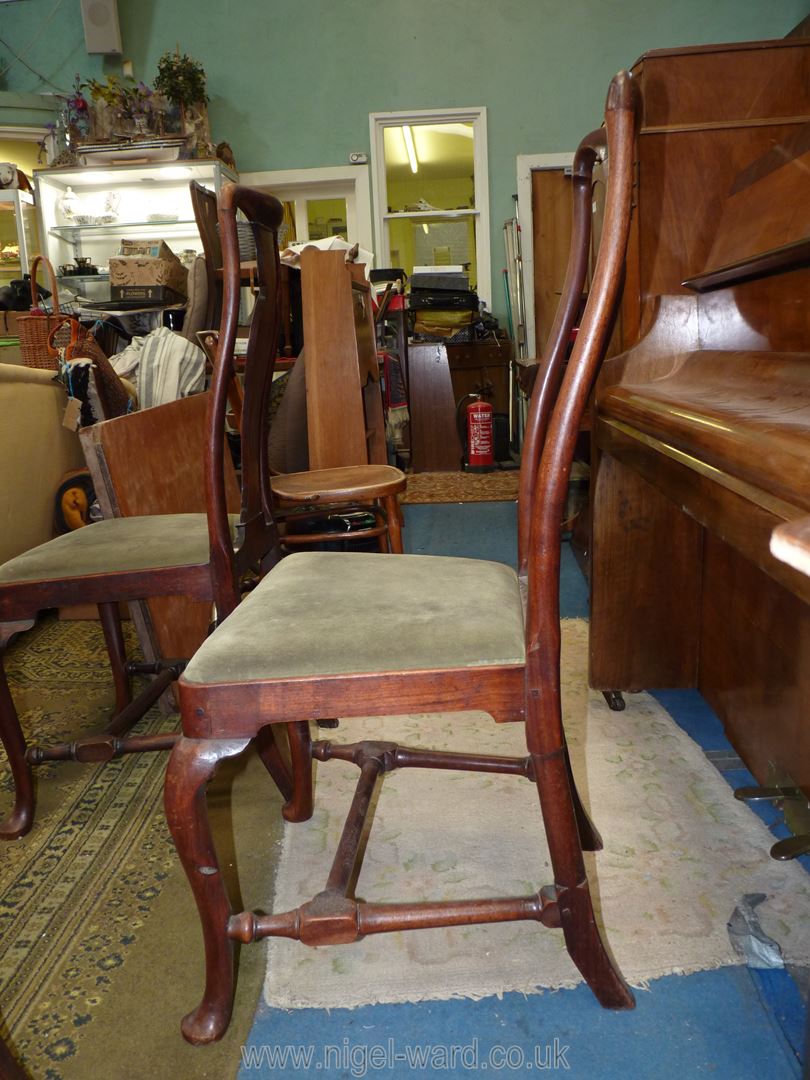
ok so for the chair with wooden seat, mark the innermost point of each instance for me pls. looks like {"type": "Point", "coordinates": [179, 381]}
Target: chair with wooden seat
{"type": "Point", "coordinates": [306, 497]}
{"type": "Point", "coordinates": [204, 557]}
{"type": "Point", "coordinates": [354, 634]}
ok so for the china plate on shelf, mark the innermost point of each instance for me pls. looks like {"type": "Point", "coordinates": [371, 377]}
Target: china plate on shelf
{"type": "Point", "coordinates": [149, 150]}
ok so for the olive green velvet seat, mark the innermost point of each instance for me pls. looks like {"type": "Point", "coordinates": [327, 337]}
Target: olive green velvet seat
{"type": "Point", "coordinates": [330, 613]}
{"type": "Point", "coordinates": [115, 545]}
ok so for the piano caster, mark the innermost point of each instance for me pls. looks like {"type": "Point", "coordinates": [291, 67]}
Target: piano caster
{"type": "Point", "coordinates": [793, 846]}
{"type": "Point", "coordinates": [614, 700]}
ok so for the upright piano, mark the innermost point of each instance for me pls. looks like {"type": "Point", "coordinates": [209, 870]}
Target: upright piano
{"type": "Point", "coordinates": [701, 424]}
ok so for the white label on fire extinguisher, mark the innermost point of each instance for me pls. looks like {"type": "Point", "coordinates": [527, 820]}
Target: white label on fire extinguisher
{"type": "Point", "coordinates": [481, 434]}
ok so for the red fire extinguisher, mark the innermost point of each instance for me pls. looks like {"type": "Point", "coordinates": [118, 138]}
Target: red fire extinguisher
{"type": "Point", "coordinates": [480, 454]}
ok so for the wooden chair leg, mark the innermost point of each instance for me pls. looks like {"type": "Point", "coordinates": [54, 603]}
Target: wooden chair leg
{"type": "Point", "coordinates": [21, 817]}
{"type": "Point", "coordinates": [391, 503]}
{"type": "Point", "coordinates": [192, 764]}
{"type": "Point", "coordinates": [300, 805]}
{"type": "Point", "coordinates": [110, 617]}
{"type": "Point", "coordinates": [382, 541]}
{"type": "Point", "coordinates": [589, 836]}
{"type": "Point", "coordinates": [583, 939]}
{"type": "Point", "coordinates": [273, 760]}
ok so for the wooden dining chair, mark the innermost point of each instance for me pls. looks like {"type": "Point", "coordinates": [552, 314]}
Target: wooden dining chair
{"type": "Point", "coordinates": [302, 499]}
{"type": "Point", "coordinates": [206, 557]}
{"type": "Point", "coordinates": [354, 634]}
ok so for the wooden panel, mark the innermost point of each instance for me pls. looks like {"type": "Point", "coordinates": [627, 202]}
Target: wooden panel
{"type": "Point", "coordinates": [645, 585]}
{"type": "Point", "coordinates": [552, 211]}
{"type": "Point", "coordinates": [151, 462]}
{"type": "Point", "coordinates": [765, 224]}
{"type": "Point", "coordinates": [743, 83]}
{"type": "Point", "coordinates": [341, 358]}
{"type": "Point", "coordinates": [482, 368]}
{"type": "Point", "coordinates": [680, 205]}
{"type": "Point", "coordinates": [435, 445]}
{"type": "Point", "coordinates": [755, 665]}
{"type": "Point", "coordinates": [716, 500]}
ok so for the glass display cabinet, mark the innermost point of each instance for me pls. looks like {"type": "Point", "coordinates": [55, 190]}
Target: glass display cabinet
{"type": "Point", "coordinates": [86, 212]}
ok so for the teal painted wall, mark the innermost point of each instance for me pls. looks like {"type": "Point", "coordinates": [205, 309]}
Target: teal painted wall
{"type": "Point", "coordinates": [292, 81]}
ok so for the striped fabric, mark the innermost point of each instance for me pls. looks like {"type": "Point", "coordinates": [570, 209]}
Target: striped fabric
{"type": "Point", "coordinates": [164, 366]}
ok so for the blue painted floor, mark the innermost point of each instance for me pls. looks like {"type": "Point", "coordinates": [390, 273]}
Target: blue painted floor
{"type": "Point", "coordinates": [733, 1024]}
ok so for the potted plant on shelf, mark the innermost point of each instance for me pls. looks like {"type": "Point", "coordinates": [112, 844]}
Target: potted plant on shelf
{"type": "Point", "coordinates": [181, 80]}
{"type": "Point", "coordinates": [106, 105]}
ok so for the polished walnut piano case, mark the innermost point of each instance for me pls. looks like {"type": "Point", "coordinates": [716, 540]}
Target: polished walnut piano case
{"type": "Point", "coordinates": [702, 423]}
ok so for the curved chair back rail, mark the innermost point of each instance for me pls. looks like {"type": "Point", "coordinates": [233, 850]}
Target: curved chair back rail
{"type": "Point", "coordinates": [551, 482]}
{"type": "Point", "coordinates": [265, 214]}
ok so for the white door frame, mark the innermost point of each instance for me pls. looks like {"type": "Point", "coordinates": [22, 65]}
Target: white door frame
{"type": "Point", "coordinates": [477, 116]}
{"type": "Point", "coordinates": [349, 182]}
{"type": "Point", "coordinates": [526, 165]}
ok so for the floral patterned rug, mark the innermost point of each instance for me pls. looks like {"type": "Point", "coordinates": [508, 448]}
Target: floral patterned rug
{"type": "Point", "coordinates": [679, 854]}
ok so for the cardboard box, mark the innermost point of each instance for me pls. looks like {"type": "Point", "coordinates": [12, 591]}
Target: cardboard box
{"type": "Point", "coordinates": [150, 294]}
{"type": "Point", "coordinates": [147, 264]}
{"type": "Point", "coordinates": [8, 323]}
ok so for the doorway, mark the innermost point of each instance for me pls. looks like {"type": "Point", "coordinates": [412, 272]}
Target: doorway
{"type": "Point", "coordinates": [322, 202]}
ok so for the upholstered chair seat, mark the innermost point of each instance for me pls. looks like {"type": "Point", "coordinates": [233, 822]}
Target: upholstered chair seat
{"type": "Point", "coordinates": [334, 613]}
{"type": "Point", "coordinates": [115, 546]}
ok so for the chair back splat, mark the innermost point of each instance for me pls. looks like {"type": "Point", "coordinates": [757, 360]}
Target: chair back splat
{"type": "Point", "coordinates": [265, 214]}
{"type": "Point", "coordinates": [356, 635]}
{"type": "Point", "coordinates": [204, 204]}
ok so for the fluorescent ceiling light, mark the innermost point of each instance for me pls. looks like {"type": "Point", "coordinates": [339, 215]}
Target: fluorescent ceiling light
{"type": "Point", "coordinates": [97, 176]}
{"type": "Point", "coordinates": [407, 135]}
{"type": "Point", "coordinates": [177, 172]}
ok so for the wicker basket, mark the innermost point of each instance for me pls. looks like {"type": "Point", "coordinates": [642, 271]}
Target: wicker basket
{"type": "Point", "coordinates": [36, 329]}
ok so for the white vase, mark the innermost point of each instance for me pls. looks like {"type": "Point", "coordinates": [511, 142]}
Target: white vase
{"type": "Point", "coordinates": [68, 206]}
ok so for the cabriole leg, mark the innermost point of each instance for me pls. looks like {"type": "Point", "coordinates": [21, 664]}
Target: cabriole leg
{"type": "Point", "coordinates": [21, 817]}
{"type": "Point", "coordinates": [192, 764]}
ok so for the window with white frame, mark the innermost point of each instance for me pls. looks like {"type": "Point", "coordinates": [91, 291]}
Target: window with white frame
{"type": "Point", "coordinates": [431, 191]}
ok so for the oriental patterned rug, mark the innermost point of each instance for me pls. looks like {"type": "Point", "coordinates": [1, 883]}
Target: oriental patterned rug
{"type": "Point", "coordinates": [680, 853]}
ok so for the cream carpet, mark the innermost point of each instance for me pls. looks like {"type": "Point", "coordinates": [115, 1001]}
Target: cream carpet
{"type": "Point", "coordinates": [679, 854]}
